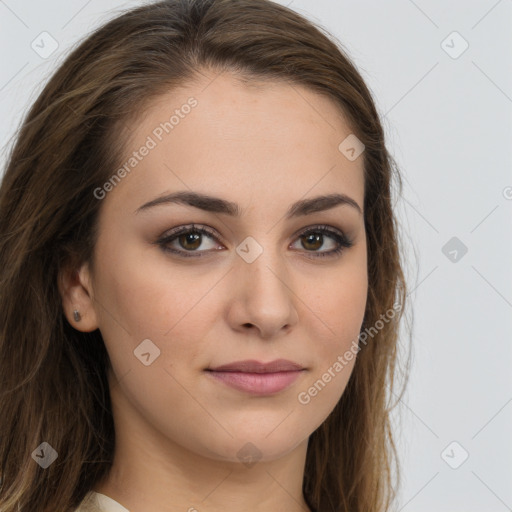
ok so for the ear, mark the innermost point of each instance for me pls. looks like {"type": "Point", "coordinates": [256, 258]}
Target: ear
{"type": "Point", "coordinates": [77, 294]}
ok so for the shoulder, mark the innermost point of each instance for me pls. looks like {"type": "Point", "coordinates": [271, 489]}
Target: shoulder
{"type": "Point", "coordinates": [96, 502]}
{"type": "Point", "coordinates": [88, 504]}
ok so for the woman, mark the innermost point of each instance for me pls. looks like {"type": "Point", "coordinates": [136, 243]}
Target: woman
{"type": "Point", "coordinates": [201, 276]}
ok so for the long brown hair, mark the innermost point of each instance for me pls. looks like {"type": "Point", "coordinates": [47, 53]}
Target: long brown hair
{"type": "Point", "coordinates": [53, 378]}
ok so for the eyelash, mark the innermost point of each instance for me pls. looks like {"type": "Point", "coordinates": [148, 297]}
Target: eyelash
{"type": "Point", "coordinates": [340, 238]}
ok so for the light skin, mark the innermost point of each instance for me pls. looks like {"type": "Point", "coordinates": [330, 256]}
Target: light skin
{"type": "Point", "coordinates": [178, 431]}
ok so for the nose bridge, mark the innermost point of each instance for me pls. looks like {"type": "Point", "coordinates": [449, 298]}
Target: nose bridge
{"type": "Point", "coordinates": [263, 263]}
{"type": "Point", "coordinates": [264, 284]}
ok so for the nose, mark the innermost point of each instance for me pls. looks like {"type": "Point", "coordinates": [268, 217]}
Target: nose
{"type": "Point", "coordinates": [263, 297]}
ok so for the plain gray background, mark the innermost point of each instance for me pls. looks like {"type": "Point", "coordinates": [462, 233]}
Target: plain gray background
{"type": "Point", "coordinates": [447, 115]}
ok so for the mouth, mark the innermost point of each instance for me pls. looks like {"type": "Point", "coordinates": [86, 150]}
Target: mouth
{"type": "Point", "coordinates": [258, 378]}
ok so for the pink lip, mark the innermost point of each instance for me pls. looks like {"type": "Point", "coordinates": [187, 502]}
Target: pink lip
{"type": "Point", "coordinates": [258, 378]}
{"type": "Point", "coordinates": [252, 366]}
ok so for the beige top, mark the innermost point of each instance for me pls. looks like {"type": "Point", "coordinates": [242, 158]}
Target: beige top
{"type": "Point", "coordinates": [96, 502]}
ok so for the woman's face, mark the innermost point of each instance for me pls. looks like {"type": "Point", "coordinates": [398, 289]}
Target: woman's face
{"type": "Point", "coordinates": [263, 283]}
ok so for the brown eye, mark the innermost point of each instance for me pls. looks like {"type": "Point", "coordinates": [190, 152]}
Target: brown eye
{"type": "Point", "coordinates": [186, 240]}
{"type": "Point", "coordinates": [313, 242]}
{"type": "Point", "coordinates": [314, 239]}
{"type": "Point", "coordinates": [190, 240]}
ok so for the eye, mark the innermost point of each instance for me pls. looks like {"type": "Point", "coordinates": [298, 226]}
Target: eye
{"type": "Point", "coordinates": [190, 238]}
{"type": "Point", "coordinates": [312, 239]}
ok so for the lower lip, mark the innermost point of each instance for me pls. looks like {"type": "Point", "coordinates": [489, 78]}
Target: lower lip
{"type": "Point", "coordinates": [257, 383]}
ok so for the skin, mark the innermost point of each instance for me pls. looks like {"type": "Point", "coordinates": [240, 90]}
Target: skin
{"type": "Point", "coordinates": [264, 146]}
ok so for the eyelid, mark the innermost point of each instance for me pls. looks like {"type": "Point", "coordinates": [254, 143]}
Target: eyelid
{"type": "Point", "coordinates": [213, 232]}
{"type": "Point", "coordinates": [341, 239]}
{"type": "Point", "coordinates": [185, 228]}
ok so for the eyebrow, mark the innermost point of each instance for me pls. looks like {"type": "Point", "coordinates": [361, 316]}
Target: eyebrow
{"type": "Point", "coordinates": [218, 205]}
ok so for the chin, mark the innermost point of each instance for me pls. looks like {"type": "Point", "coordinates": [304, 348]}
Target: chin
{"type": "Point", "coordinates": [256, 443]}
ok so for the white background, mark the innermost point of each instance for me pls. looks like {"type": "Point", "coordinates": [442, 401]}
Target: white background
{"type": "Point", "coordinates": [449, 125]}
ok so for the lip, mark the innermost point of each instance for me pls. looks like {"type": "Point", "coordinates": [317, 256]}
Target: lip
{"type": "Point", "coordinates": [258, 378]}
{"type": "Point", "coordinates": [253, 366]}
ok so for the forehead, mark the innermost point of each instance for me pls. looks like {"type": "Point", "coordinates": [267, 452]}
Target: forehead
{"type": "Point", "coordinates": [219, 133]}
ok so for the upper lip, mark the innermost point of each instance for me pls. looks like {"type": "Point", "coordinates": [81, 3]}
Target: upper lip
{"type": "Point", "coordinates": [252, 366]}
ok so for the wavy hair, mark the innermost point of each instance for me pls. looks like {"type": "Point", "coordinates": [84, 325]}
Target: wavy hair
{"type": "Point", "coordinates": [53, 378]}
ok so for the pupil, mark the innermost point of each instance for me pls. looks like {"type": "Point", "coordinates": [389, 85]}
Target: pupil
{"type": "Point", "coordinates": [192, 237]}
{"type": "Point", "coordinates": [312, 238]}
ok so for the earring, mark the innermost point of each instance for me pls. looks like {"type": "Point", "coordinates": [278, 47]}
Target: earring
{"type": "Point", "coordinates": [77, 316]}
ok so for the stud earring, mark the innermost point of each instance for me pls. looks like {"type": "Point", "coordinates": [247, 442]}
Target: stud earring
{"type": "Point", "coordinates": [76, 315]}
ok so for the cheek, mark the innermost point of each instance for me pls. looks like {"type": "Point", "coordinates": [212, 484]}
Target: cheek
{"type": "Point", "coordinates": [335, 349]}
{"type": "Point", "coordinates": [141, 299]}
{"type": "Point", "coordinates": [339, 304]}
{"type": "Point", "coordinates": [346, 310]}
